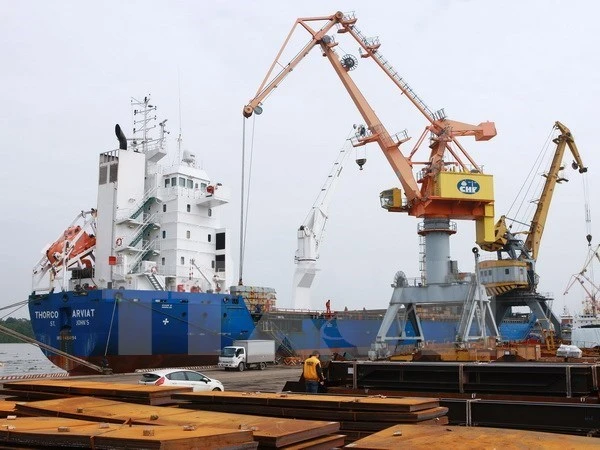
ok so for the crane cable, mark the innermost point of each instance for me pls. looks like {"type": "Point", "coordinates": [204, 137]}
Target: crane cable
{"type": "Point", "coordinates": [245, 198]}
{"type": "Point", "coordinates": [587, 212]}
{"type": "Point", "coordinates": [526, 186]}
{"type": "Point", "coordinates": [592, 252]}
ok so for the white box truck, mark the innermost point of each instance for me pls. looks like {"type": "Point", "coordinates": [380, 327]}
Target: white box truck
{"type": "Point", "coordinates": [251, 354]}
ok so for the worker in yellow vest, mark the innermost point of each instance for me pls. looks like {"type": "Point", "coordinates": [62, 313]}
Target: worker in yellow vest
{"type": "Point", "coordinates": [313, 373]}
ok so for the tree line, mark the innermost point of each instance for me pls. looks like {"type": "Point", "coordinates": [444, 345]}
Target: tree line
{"type": "Point", "coordinates": [22, 326]}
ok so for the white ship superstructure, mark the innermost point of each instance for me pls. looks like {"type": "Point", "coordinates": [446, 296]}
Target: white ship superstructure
{"type": "Point", "coordinates": [157, 224]}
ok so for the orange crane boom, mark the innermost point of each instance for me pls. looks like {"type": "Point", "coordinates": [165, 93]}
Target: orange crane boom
{"type": "Point", "coordinates": [461, 193]}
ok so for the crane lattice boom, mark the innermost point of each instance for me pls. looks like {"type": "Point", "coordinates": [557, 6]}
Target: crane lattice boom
{"type": "Point", "coordinates": [442, 188]}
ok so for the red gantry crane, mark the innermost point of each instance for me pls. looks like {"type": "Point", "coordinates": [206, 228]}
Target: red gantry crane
{"type": "Point", "coordinates": [448, 185]}
{"type": "Point", "coordinates": [455, 189]}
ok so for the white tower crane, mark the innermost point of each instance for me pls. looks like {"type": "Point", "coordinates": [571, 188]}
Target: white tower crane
{"type": "Point", "coordinates": [312, 230]}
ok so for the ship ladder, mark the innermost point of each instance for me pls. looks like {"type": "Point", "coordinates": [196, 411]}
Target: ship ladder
{"type": "Point", "coordinates": [273, 331]}
{"type": "Point", "coordinates": [143, 206]}
{"type": "Point", "coordinates": [142, 231]}
{"type": "Point", "coordinates": [283, 343]}
{"type": "Point", "coordinates": [155, 282]}
{"type": "Point", "coordinates": [549, 339]}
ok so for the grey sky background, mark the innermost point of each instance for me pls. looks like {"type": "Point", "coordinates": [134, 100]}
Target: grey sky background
{"type": "Point", "coordinates": [70, 67]}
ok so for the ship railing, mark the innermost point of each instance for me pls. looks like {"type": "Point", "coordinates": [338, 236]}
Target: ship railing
{"type": "Point", "coordinates": [355, 314]}
{"type": "Point", "coordinates": [416, 282]}
{"type": "Point", "coordinates": [178, 271]}
{"type": "Point", "coordinates": [180, 191]}
{"type": "Point", "coordinates": [133, 266]}
{"type": "Point", "coordinates": [139, 144]}
{"type": "Point", "coordinates": [300, 310]}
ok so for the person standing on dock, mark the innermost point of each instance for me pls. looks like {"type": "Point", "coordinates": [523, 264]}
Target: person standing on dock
{"type": "Point", "coordinates": [313, 373]}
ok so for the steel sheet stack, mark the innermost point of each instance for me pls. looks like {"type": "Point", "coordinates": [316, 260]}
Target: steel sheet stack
{"type": "Point", "coordinates": [358, 416]}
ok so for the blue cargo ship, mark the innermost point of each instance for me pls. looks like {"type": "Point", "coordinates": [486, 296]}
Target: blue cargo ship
{"type": "Point", "coordinates": [143, 279]}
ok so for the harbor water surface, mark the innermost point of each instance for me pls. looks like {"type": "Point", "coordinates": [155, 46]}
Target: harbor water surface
{"type": "Point", "coordinates": [24, 359]}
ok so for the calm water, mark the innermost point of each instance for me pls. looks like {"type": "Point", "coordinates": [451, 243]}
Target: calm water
{"type": "Point", "coordinates": [24, 359]}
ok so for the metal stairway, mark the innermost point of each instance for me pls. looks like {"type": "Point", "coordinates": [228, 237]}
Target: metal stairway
{"type": "Point", "coordinates": [140, 210]}
{"type": "Point", "coordinates": [140, 233]}
{"type": "Point", "coordinates": [268, 327]}
{"type": "Point", "coordinates": [149, 249]}
{"type": "Point", "coordinates": [155, 282]}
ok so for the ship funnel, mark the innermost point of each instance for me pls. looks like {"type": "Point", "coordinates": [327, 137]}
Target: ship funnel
{"type": "Point", "coordinates": [121, 137]}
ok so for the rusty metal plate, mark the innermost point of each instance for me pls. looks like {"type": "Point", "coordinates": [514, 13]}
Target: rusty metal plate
{"type": "Point", "coordinates": [267, 431]}
{"type": "Point", "coordinates": [57, 432]}
{"type": "Point", "coordinates": [427, 437]}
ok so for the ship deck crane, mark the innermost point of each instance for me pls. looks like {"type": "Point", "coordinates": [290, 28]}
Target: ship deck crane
{"type": "Point", "coordinates": [311, 233]}
{"type": "Point", "coordinates": [513, 280]}
{"type": "Point", "coordinates": [445, 188]}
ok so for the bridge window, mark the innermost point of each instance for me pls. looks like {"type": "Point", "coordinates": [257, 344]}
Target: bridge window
{"type": "Point", "coordinates": [220, 243]}
{"type": "Point", "coordinates": [220, 262]}
{"type": "Point", "coordinates": [167, 182]}
{"type": "Point", "coordinates": [181, 181]}
{"type": "Point", "coordinates": [190, 184]}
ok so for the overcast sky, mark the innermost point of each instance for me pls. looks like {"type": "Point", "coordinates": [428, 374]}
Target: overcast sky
{"type": "Point", "coordinates": [70, 67]}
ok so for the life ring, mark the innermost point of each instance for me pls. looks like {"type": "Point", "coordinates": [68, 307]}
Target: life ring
{"type": "Point", "coordinates": [119, 242]}
{"type": "Point", "coordinates": [153, 270]}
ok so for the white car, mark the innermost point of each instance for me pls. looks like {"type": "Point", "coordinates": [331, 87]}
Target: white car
{"type": "Point", "coordinates": [181, 377]}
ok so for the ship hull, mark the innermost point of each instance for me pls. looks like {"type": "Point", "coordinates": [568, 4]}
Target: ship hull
{"type": "Point", "coordinates": [128, 330]}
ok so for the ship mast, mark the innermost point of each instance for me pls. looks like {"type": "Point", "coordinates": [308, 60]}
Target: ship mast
{"type": "Point", "coordinates": [142, 117]}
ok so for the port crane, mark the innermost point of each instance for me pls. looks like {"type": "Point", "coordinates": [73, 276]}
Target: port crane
{"type": "Point", "coordinates": [512, 279]}
{"type": "Point", "coordinates": [312, 231]}
{"type": "Point", "coordinates": [440, 195]}
{"type": "Point", "coordinates": [449, 184]}
{"type": "Point", "coordinates": [585, 279]}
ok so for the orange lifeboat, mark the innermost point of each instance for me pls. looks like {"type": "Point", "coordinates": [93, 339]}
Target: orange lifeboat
{"type": "Point", "coordinates": [79, 244]}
